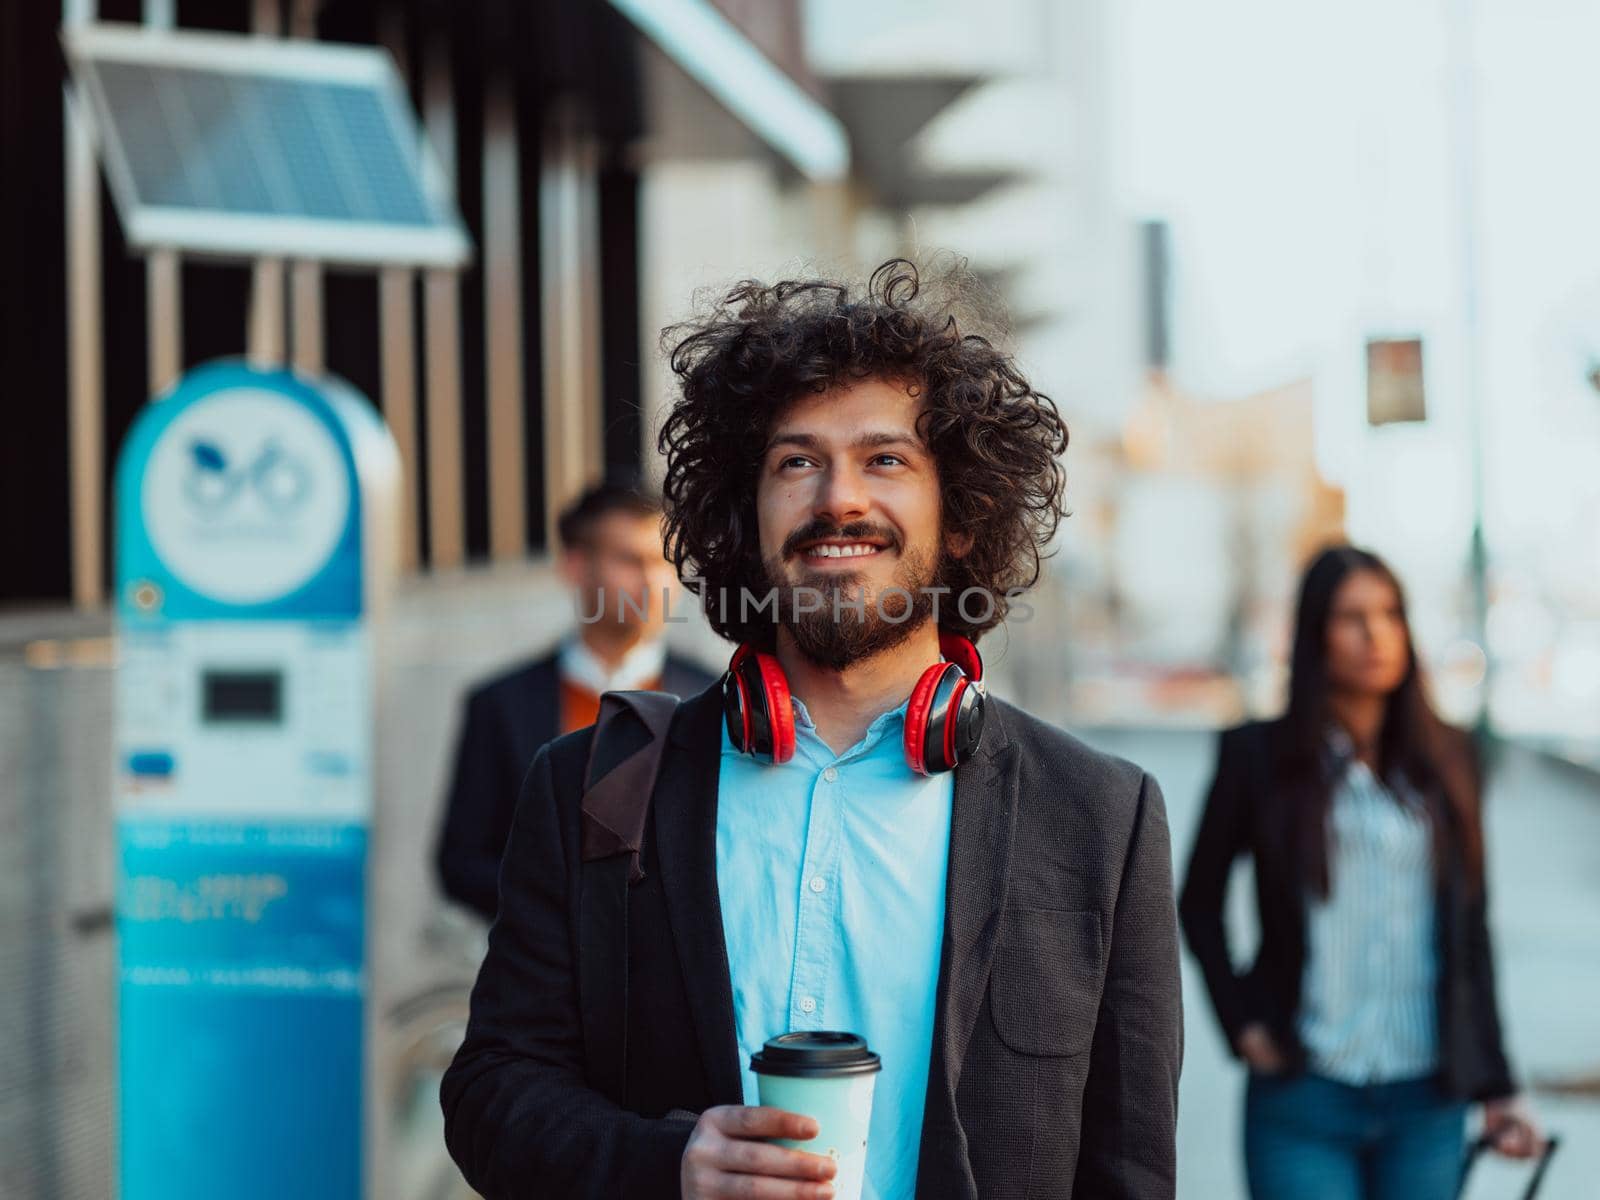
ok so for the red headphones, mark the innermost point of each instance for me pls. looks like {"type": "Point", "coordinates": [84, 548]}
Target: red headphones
{"type": "Point", "coordinates": [944, 716]}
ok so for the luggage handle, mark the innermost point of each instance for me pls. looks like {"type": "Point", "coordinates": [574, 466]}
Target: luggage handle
{"type": "Point", "coordinates": [1485, 1142]}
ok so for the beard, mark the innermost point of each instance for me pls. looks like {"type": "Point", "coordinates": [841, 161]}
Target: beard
{"type": "Point", "coordinates": [853, 623]}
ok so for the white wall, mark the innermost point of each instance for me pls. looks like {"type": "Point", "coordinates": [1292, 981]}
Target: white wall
{"type": "Point", "coordinates": [706, 225]}
{"type": "Point", "coordinates": [1308, 162]}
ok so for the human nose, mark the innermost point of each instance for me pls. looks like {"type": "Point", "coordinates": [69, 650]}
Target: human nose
{"type": "Point", "coordinates": [1381, 631]}
{"type": "Point", "coordinates": [842, 495]}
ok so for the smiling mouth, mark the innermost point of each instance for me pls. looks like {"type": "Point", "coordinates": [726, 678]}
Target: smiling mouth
{"type": "Point", "coordinates": [840, 551]}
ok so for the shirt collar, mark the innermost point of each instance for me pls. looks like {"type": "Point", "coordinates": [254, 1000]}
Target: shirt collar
{"type": "Point", "coordinates": [883, 725]}
{"type": "Point", "coordinates": [580, 665]}
{"type": "Point", "coordinates": [1339, 743]}
{"type": "Point", "coordinates": [1340, 749]}
{"type": "Point", "coordinates": [802, 718]}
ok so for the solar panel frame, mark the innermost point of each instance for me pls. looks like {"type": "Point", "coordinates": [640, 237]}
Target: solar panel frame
{"type": "Point", "coordinates": [440, 241]}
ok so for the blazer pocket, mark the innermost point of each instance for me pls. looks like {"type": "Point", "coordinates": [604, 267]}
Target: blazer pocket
{"type": "Point", "coordinates": [1044, 989]}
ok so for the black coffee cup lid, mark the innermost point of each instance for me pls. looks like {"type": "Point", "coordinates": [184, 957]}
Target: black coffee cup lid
{"type": "Point", "coordinates": [815, 1053]}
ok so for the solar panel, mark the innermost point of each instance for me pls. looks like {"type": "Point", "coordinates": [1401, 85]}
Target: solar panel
{"type": "Point", "coordinates": [249, 146]}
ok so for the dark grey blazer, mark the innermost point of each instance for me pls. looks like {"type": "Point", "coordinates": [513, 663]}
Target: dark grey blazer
{"type": "Point", "coordinates": [1058, 1026]}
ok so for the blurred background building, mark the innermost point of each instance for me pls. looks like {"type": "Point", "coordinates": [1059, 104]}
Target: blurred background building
{"type": "Point", "coordinates": [1195, 218]}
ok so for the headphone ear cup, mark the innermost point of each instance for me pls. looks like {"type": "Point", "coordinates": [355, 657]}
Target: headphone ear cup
{"type": "Point", "coordinates": [779, 708]}
{"type": "Point", "coordinates": [736, 708]}
{"type": "Point", "coordinates": [756, 705]}
{"type": "Point", "coordinates": [963, 723]}
{"type": "Point", "coordinates": [948, 706]}
{"type": "Point", "coordinates": [918, 710]}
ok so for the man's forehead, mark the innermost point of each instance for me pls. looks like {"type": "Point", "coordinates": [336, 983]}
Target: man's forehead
{"type": "Point", "coordinates": [874, 410]}
{"type": "Point", "coordinates": [622, 525]}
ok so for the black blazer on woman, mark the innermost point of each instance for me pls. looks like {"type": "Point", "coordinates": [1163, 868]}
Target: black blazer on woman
{"type": "Point", "coordinates": [1249, 812]}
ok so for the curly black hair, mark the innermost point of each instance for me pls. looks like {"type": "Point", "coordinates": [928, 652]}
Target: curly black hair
{"type": "Point", "coordinates": [996, 441]}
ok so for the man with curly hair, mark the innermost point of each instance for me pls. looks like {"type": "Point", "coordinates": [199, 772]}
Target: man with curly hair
{"type": "Point", "coordinates": [848, 834]}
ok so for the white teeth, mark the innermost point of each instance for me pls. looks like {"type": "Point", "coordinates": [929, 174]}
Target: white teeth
{"type": "Point", "coordinates": [851, 551]}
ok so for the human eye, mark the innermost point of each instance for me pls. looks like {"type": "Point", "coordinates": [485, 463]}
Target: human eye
{"type": "Point", "coordinates": [888, 459]}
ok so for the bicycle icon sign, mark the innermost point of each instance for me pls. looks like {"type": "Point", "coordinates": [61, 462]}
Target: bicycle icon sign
{"type": "Point", "coordinates": [279, 480]}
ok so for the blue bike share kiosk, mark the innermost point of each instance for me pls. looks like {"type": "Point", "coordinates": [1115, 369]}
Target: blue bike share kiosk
{"type": "Point", "coordinates": [254, 533]}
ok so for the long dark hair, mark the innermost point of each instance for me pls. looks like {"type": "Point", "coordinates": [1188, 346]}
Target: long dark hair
{"type": "Point", "coordinates": [1436, 760]}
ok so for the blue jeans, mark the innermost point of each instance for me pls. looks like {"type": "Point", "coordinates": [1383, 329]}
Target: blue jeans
{"type": "Point", "coordinates": [1310, 1138]}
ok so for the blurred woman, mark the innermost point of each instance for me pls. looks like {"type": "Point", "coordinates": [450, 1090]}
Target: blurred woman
{"type": "Point", "coordinates": [1368, 1021]}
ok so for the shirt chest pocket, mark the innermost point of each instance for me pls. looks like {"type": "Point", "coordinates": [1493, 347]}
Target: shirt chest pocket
{"type": "Point", "coordinates": [1044, 987]}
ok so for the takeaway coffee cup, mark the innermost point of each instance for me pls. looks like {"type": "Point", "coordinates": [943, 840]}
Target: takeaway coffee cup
{"type": "Point", "coordinates": [829, 1077]}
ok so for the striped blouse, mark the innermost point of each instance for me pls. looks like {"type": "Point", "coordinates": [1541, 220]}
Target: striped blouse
{"type": "Point", "coordinates": [1368, 1011]}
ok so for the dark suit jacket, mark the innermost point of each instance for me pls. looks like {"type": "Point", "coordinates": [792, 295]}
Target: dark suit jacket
{"type": "Point", "coordinates": [1057, 1036]}
{"type": "Point", "coordinates": [507, 719]}
{"type": "Point", "coordinates": [1249, 813]}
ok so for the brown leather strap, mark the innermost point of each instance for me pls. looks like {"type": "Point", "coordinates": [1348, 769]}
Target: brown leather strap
{"type": "Point", "coordinates": [623, 768]}
{"type": "Point", "coordinates": [630, 736]}
{"type": "Point", "coordinates": [616, 804]}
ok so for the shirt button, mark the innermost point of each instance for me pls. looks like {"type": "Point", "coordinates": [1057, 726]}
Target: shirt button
{"type": "Point", "coordinates": [819, 884]}
{"type": "Point", "coordinates": [808, 1005]}
{"type": "Point", "coordinates": [830, 774]}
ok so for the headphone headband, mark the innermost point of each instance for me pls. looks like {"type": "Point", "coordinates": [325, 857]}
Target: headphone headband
{"type": "Point", "coordinates": [963, 653]}
{"type": "Point", "coordinates": [944, 713]}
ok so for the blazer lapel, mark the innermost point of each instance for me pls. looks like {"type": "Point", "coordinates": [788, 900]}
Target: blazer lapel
{"type": "Point", "coordinates": [982, 822]}
{"type": "Point", "coordinates": [685, 805]}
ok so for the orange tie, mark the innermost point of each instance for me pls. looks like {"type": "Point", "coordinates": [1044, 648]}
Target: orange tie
{"type": "Point", "coordinates": [580, 706]}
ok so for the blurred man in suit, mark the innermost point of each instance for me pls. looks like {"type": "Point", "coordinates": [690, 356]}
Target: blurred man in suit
{"type": "Point", "coordinates": [611, 557]}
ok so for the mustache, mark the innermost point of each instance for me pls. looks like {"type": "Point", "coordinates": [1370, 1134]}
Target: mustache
{"type": "Point", "coordinates": [819, 530]}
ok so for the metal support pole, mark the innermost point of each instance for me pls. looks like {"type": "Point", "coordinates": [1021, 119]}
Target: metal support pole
{"type": "Point", "coordinates": [569, 267]}
{"type": "Point", "coordinates": [397, 331]}
{"type": "Point", "coordinates": [305, 314]}
{"type": "Point", "coordinates": [164, 319]}
{"type": "Point", "coordinates": [305, 278]}
{"type": "Point", "coordinates": [265, 341]}
{"type": "Point", "coordinates": [162, 278]}
{"type": "Point", "coordinates": [396, 324]}
{"type": "Point", "coordinates": [442, 317]}
{"type": "Point", "coordinates": [1464, 113]}
{"type": "Point", "coordinates": [85, 347]}
{"type": "Point", "coordinates": [502, 285]}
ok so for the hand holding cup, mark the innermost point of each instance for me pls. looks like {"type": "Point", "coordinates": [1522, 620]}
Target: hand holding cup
{"type": "Point", "coordinates": [729, 1155]}
{"type": "Point", "coordinates": [828, 1076]}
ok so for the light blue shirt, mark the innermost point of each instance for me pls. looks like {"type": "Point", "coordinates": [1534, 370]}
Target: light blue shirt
{"type": "Point", "coordinates": [831, 871]}
{"type": "Point", "coordinates": [1369, 1012]}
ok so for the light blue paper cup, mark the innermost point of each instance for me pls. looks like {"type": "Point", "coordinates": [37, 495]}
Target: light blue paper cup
{"type": "Point", "coordinates": [829, 1077]}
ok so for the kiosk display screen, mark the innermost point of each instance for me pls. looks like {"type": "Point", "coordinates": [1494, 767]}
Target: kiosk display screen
{"type": "Point", "coordinates": [242, 696]}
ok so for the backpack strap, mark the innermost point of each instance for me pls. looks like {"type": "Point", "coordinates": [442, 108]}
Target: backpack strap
{"type": "Point", "coordinates": [625, 752]}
